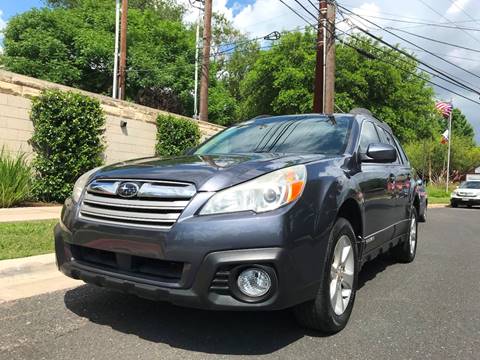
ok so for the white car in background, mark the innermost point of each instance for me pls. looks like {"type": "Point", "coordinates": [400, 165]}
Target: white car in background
{"type": "Point", "coordinates": [468, 193]}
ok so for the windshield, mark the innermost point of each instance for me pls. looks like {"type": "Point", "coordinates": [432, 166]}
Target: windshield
{"type": "Point", "coordinates": [296, 135]}
{"type": "Point", "coordinates": [470, 185]}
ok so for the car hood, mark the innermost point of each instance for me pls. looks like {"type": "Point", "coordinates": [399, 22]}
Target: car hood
{"type": "Point", "coordinates": [207, 172]}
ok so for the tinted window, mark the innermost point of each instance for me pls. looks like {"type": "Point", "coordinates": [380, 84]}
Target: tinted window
{"type": "Point", "coordinates": [470, 185]}
{"type": "Point", "coordinates": [389, 140]}
{"type": "Point", "coordinates": [400, 150]}
{"type": "Point", "coordinates": [282, 135]}
{"type": "Point", "coordinates": [369, 136]}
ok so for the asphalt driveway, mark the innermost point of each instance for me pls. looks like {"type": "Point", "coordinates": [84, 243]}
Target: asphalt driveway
{"type": "Point", "coordinates": [429, 309]}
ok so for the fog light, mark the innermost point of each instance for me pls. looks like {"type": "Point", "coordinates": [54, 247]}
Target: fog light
{"type": "Point", "coordinates": [254, 282]}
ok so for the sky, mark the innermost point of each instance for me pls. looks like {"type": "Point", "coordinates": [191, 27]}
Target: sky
{"type": "Point", "coordinates": [261, 17]}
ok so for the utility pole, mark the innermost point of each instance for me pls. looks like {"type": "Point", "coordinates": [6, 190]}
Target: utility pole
{"type": "Point", "coordinates": [197, 48]}
{"type": "Point", "coordinates": [123, 50]}
{"type": "Point", "coordinates": [324, 85]}
{"type": "Point", "coordinates": [449, 145]}
{"type": "Point", "coordinates": [115, 59]}
{"type": "Point", "coordinates": [207, 35]}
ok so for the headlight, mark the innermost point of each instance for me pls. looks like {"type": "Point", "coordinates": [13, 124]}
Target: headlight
{"type": "Point", "coordinates": [81, 183]}
{"type": "Point", "coordinates": [265, 193]}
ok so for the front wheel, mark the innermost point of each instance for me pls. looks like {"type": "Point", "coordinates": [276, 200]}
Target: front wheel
{"type": "Point", "coordinates": [330, 310]}
{"type": "Point", "coordinates": [406, 251]}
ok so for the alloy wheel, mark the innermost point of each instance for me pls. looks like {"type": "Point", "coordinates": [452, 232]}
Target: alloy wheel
{"type": "Point", "coordinates": [413, 235]}
{"type": "Point", "coordinates": [342, 275]}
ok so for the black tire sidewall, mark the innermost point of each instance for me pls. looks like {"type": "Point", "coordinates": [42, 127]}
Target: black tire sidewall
{"type": "Point", "coordinates": [323, 303]}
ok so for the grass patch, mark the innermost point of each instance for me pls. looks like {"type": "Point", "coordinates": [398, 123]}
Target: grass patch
{"type": "Point", "coordinates": [438, 195]}
{"type": "Point", "coordinates": [26, 238]}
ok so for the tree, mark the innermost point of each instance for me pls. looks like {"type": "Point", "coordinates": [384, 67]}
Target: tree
{"type": "Point", "coordinates": [71, 42]}
{"type": "Point", "coordinates": [281, 81]}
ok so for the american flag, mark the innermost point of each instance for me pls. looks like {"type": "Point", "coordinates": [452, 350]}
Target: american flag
{"type": "Point", "coordinates": [444, 107]}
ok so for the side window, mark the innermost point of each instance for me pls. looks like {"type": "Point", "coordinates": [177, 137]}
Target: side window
{"type": "Point", "coordinates": [401, 151]}
{"type": "Point", "coordinates": [389, 140]}
{"type": "Point", "coordinates": [368, 136]}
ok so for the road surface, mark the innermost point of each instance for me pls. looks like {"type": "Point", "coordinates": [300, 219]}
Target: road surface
{"type": "Point", "coordinates": [429, 309]}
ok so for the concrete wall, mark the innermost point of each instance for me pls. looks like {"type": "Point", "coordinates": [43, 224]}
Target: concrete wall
{"type": "Point", "coordinates": [136, 140]}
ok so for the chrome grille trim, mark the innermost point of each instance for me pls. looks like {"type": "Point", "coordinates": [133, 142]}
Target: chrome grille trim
{"type": "Point", "coordinates": [159, 210]}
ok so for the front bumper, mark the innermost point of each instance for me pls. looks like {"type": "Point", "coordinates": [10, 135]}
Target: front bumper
{"type": "Point", "coordinates": [297, 267]}
{"type": "Point", "coordinates": [465, 200]}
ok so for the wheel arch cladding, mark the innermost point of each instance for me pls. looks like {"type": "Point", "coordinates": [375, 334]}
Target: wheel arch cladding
{"type": "Point", "coordinates": [350, 210]}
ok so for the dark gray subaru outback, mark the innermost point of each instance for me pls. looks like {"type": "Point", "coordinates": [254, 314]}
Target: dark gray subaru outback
{"type": "Point", "coordinates": [272, 213]}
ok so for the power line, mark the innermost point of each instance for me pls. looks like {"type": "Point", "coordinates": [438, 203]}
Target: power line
{"type": "Point", "coordinates": [435, 40]}
{"type": "Point", "coordinates": [371, 56]}
{"type": "Point", "coordinates": [296, 13]}
{"type": "Point", "coordinates": [442, 25]}
{"type": "Point", "coordinates": [437, 75]}
{"type": "Point", "coordinates": [448, 55]}
{"type": "Point", "coordinates": [463, 11]}
{"type": "Point", "coordinates": [350, 6]}
{"type": "Point", "coordinates": [411, 43]}
{"type": "Point", "coordinates": [439, 14]}
{"type": "Point", "coordinates": [306, 10]}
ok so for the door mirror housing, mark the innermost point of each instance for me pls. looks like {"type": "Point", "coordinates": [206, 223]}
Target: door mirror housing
{"type": "Point", "coordinates": [380, 153]}
{"type": "Point", "coordinates": [419, 182]}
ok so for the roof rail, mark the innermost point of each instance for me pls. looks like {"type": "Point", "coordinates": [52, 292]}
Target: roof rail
{"type": "Point", "coordinates": [361, 111]}
{"type": "Point", "coordinates": [262, 116]}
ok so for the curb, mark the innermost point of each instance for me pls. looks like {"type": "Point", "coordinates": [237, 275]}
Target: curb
{"type": "Point", "coordinates": [436, 206]}
{"type": "Point", "coordinates": [30, 276]}
{"type": "Point", "coordinates": [18, 266]}
{"type": "Point", "coordinates": [30, 213]}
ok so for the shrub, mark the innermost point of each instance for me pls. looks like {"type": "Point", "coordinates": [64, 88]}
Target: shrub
{"type": "Point", "coordinates": [67, 140]}
{"type": "Point", "coordinates": [175, 135]}
{"type": "Point", "coordinates": [15, 179]}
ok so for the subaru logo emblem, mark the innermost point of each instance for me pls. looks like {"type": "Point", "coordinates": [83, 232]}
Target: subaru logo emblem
{"type": "Point", "coordinates": [127, 189]}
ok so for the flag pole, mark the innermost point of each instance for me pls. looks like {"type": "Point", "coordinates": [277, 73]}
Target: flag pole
{"type": "Point", "coordinates": [449, 145]}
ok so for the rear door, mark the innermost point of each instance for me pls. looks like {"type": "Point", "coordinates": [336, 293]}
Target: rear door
{"type": "Point", "coordinates": [374, 183]}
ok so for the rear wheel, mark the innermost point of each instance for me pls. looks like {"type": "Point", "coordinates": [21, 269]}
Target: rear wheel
{"type": "Point", "coordinates": [406, 251]}
{"type": "Point", "coordinates": [330, 310]}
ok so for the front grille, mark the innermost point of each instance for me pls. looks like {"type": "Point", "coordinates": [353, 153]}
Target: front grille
{"type": "Point", "coordinates": [466, 194]}
{"type": "Point", "coordinates": [138, 266]}
{"type": "Point", "coordinates": [157, 204]}
{"type": "Point", "coordinates": [220, 282]}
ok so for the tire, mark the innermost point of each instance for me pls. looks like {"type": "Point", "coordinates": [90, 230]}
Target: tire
{"type": "Point", "coordinates": [423, 218]}
{"type": "Point", "coordinates": [405, 252]}
{"type": "Point", "coordinates": [454, 204]}
{"type": "Point", "coordinates": [320, 314]}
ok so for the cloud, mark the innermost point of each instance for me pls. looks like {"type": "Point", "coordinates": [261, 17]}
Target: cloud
{"type": "Point", "coordinates": [264, 16]}
{"type": "Point", "coordinates": [3, 25]}
{"type": "Point", "coordinates": [365, 10]}
{"type": "Point", "coordinates": [457, 6]}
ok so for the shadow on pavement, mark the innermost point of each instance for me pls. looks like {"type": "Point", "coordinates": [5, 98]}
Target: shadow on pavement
{"type": "Point", "coordinates": [236, 333]}
{"type": "Point", "coordinates": [371, 269]}
{"type": "Point", "coordinates": [233, 333]}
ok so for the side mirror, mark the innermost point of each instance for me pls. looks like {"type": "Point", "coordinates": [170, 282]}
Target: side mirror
{"type": "Point", "coordinates": [419, 182]}
{"type": "Point", "coordinates": [380, 153]}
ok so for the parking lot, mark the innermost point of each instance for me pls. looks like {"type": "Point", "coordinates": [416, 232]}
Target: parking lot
{"type": "Point", "coordinates": [429, 309]}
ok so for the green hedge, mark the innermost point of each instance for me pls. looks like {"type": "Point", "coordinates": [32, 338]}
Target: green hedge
{"type": "Point", "coordinates": [175, 135]}
{"type": "Point", "coordinates": [15, 179]}
{"type": "Point", "coordinates": [67, 140]}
